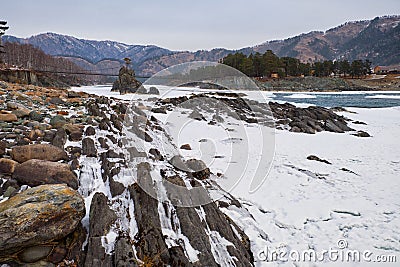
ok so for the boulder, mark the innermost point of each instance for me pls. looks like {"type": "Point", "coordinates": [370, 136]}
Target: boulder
{"type": "Point", "coordinates": [38, 216]}
{"type": "Point", "coordinates": [58, 121]}
{"type": "Point", "coordinates": [36, 172]}
{"type": "Point", "coordinates": [153, 91]}
{"type": "Point", "coordinates": [75, 132]}
{"type": "Point", "coordinates": [8, 117]}
{"type": "Point", "coordinates": [35, 116]}
{"type": "Point", "coordinates": [38, 151]}
{"type": "Point", "coordinates": [7, 166]}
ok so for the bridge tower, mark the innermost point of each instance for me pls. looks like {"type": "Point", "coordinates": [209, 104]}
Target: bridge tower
{"type": "Point", "coordinates": [3, 28]}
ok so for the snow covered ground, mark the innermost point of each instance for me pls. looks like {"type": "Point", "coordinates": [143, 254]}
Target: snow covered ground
{"type": "Point", "coordinates": [352, 204]}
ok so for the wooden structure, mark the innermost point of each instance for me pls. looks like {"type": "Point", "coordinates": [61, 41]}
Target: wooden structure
{"type": "Point", "coordinates": [3, 28]}
{"type": "Point", "coordinates": [395, 69]}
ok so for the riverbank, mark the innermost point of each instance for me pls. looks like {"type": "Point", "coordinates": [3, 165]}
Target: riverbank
{"type": "Point", "coordinates": [327, 84]}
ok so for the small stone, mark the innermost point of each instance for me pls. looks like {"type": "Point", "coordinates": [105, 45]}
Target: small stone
{"type": "Point", "coordinates": [62, 112]}
{"type": "Point", "coordinates": [73, 94]}
{"type": "Point", "coordinates": [362, 134]}
{"type": "Point", "coordinates": [35, 116]}
{"type": "Point", "coordinates": [34, 254]}
{"type": "Point", "coordinates": [56, 101]}
{"type": "Point", "coordinates": [90, 131]}
{"type": "Point", "coordinates": [10, 191]}
{"type": "Point", "coordinates": [186, 147]}
{"type": "Point", "coordinates": [7, 166]}
{"type": "Point", "coordinates": [3, 146]}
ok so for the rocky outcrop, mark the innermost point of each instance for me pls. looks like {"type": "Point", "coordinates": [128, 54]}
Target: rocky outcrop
{"type": "Point", "coordinates": [36, 172]}
{"type": "Point", "coordinates": [126, 82]}
{"type": "Point", "coordinates": [38, 216]}
{"type": "Point", "coordinates": [38, 151]}
{"type": "Point", "coordinates": [102, 217]}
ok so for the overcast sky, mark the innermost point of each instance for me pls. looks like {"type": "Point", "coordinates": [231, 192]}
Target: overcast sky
{"type": "Point", "coordinates": [187, 24]}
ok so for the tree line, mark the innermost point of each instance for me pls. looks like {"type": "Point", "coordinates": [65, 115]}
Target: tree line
{"type": "Point", "coordinates": [264, 65]}
{"type": "Point", "coordinates": [29, 57]}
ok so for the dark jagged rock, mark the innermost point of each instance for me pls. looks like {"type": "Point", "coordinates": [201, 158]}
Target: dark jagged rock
{"type": "Point", "coordinates": [103, 143]}
{"type": "Point", "coordinates": [124, 255]}
{"type": "Point", "coordinates": [116, 188]}
{"type": "Point", "coordinates": [95, 255]}
{"type": "Point", "coordinates": [88, 147]}
{"type": "Point", "coordinates": [150, 239]}
{"type": "Point", "coordinates": [216, 221]}
{"type": "Point", "coordinates": [38, 151]}
{"type": "Point", "coordinates": [126, 82]}
{"type": "Point", "coordinates": [38, 216]}
{"type": "Point", "coordinates": [186, 147]}
{"type": "Point", "coordinates": [36, 172]}
{"type": "Point", "coordinates": [361, 134]}
{"type": "Point", "coordinates": [156, 155]}
{"type": "Point", "coordinates": [198, 169]}
{"type": "Point", "coordinates": [313, 157]}
{"type": "Point", "coordinates": [102, 216]}
{"type": "Point", "coordinates": [101, 219]}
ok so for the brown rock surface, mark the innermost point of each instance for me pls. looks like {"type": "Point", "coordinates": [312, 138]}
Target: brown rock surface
{"type": "Point", "coordinates": [36, 172]}
{"type": "Point", "coordinates": [38, 151]}
{"type": "Point", "coordinates": [38, 216]}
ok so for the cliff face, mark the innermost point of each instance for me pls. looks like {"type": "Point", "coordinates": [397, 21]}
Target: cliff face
{"type": "Point", "coordinates": [20, 76]}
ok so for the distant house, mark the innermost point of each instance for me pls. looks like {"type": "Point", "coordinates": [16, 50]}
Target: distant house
{"type": "Point", "coordinates": [395, 69]}
{"type": "Point", "coordinates": [274, 75]}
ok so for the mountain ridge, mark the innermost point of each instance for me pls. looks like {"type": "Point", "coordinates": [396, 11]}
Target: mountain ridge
{"type": "Point", "coordinates": [377, 40]}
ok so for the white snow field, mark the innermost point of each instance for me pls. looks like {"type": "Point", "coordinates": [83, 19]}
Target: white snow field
{"type": "Point", "coordinates": [351, 206]}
